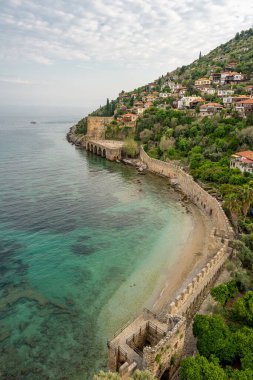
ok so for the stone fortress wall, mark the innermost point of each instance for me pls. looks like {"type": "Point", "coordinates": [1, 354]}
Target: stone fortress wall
{"type": "Point", "coordinates": [160, 348]}
{"type": "Point", "coordinates": [96, 126]}
{"type": "Point", "coordinates": [196, 194]}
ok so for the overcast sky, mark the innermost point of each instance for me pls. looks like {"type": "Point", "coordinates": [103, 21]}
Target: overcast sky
{"type": "Point", "coordinates": [79, 52]}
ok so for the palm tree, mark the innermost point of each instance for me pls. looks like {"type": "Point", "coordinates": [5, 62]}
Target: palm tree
{"type": "Point", "coordinates": [232, 203]}
{"type": "Point", "coordinates": [246, 198]}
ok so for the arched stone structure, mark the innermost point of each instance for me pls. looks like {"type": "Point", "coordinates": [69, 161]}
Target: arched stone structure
{"type": "Point", "coordinates": [105, 148]}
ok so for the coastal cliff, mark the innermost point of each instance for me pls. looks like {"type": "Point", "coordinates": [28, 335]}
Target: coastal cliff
{"type": "Point", "coordinates": [74, 138]}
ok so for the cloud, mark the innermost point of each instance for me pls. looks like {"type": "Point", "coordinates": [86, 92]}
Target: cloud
{"type": "Point", "coordinates": [19, 81]}
{"type": "Point", "coordinates": [123, 32]}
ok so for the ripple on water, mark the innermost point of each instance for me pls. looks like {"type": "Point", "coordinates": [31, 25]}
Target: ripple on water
{"type": "Point", "coordinates": [76, 234]}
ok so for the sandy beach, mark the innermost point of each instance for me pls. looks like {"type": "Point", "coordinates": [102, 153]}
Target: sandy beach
{"type": "Point", "coordinates": [194, 255]}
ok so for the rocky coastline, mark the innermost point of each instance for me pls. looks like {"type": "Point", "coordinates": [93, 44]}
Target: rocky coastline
{"type": "Point", "coordinates": [79, 141]}
{"type": "Point", "coordinates": [73, 138]}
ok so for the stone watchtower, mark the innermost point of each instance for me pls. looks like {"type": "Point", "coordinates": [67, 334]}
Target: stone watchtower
{"type": "Point", "coordinates": [96, 127]}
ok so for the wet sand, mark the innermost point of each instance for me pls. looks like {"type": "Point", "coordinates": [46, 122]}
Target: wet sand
{"type": "Point", "coordinates": [194, 255]}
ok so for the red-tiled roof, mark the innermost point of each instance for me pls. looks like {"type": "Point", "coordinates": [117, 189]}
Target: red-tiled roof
{"type": "Point", "coordinates": [196, 100]}
{"type": "Point", "coordinates": [246, 101]}
{"type": "Point", "coordinates": [247, 161]}
{"type": "Point", "coordinates": [218, 105]}
{"type": "Point", "coordinates": [231, 73]}
{"type": "Point", "coordinates": [247, 154]}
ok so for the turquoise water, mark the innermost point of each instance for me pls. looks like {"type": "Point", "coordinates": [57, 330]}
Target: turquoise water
{"type": "Point", "coordinates": [84, 245]}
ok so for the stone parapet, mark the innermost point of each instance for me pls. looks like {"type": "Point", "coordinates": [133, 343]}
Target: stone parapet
{"type": "Point", "coordinates": [197, 195]}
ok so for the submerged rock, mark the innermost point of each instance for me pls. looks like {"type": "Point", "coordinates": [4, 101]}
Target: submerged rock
{"type": "Point", "coordinates": [4, 335]}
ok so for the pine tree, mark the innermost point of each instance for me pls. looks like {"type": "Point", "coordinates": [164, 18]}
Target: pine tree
{"type": "Point", "coordinates": [107, 107]}
{"type": "Point", "coordinates": [200, 55]}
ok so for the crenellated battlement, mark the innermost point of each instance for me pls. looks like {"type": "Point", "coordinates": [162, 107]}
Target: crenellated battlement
{"type": "Point", "coordinates": [155, 341]}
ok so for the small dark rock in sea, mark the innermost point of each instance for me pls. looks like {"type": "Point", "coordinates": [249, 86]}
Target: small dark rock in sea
{"type": "Point", "coordinates": [31, 342]}
{"type": "Point", "coordinates": [81, 249]}
{"type": "Point", "coordinates": [22, 326]}
{"type": "Point", "coordinates": [69, 301]}
{"type": "Point", "coordinates": [4, 335]}
{"type": "Point", "coordinates": [83, 238]}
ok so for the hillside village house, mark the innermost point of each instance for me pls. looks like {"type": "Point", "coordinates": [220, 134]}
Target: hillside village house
{"type": "Point", "coordinates": [163, 95]}
{"type": "Point", "coordinates": [149, 98]}
{"type": "Point", "coordinates": [189, 102]}
{"type": "Point", "coordinates": [245, 106]}
{"type": "Point", "coordinates": [138, 103]}
{"type": "Point", "coordinates": [148, 104]}
{"type": "Point", "coordinates": [242, 161]}
{"type": "Point", "coordinates": [181, 91]}
{"type": "Point", "coordinates": [225, 92]}
{"type": "Point", "coordinates": [215, 78]}
{"type": "Point", "coordinates": [231, 77]}
{"type": "Point", "coordinates": [210, 108]}
{"type": "Point", "coordinates": [230, 66]}
{"type": "Point", "coordinates": [202, 82]}
{"type": "Point", "coordinates": [129, 118]}
{"type": "Point", "coordinates": [230, 100]}
{"type": "Point", "coordinates": [249, 89]}
{"type": "Point", "coordinates": [208, 91]}
{"type": "Point", "coordinates": [139, 110]}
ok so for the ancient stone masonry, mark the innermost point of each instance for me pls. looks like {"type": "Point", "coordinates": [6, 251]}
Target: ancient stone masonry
{"type": "Point", "coordinates": [155, 341]}
{"type": "Point", "coordinates": [105, 148]}
{"type": "Point", "coordinates": [196, 194]}
{"type": "Point", "coordinates": [96, 127]}
{"type": "Point", "coordinates": [109, 149]}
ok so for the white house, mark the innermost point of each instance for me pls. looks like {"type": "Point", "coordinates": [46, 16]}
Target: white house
{"type": "Point", "coordinates": [188, 101]}
{"type": "Point", "coordinates": [163, 95]}
{"type": "Point", "coordinates": [210, 108]}
{"type": "Point", "coordinates": [231, 77]}
{"type": "Point", "coordinates": [225, 92]}
{"type": "Point", "coordinates": [208, 91]}
{"type": "Point", "coordinates": [242, 161]}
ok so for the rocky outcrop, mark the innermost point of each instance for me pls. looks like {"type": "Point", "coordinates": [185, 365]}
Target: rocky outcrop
{"type": "Point", "coordinates": [74, 138]}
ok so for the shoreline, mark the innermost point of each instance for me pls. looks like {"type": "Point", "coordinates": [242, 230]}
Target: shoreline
{"type": "Point", "coordinates": [192, 256]}
{"type": "Point", "coordinates": [201, 259]}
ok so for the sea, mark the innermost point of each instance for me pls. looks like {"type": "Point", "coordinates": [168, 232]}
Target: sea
{"type": "Point", "coordinates": [85, 245]}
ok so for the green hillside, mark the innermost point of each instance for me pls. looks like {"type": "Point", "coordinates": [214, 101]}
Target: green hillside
{"type": "Point", "coordinates": [239, 50]}
{"type": "Point", "coordinates": [203, 143]}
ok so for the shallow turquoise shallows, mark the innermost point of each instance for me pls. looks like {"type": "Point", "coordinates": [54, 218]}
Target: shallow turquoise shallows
{"type": "Point", "coordinates": [85, 244]}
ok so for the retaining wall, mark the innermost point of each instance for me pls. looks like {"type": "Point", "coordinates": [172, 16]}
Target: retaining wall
{"type": "Point", "coordinates": [208, 204]}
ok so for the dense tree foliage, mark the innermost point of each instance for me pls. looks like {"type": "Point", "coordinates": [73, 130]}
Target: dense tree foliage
{"type": "Point", "coordinates": [224, 292]}
{"type": "Point", "coordinates": [243, 310]}
{"type": "Point", "coordinates": [200, 368]}
{"type": "Point", "coordinates": [214, 337]}
{"type": "Point", "coordinates": [131, 147]}
{"type": "Point", "coordinates": [81, 126]}
{"type": "Point", "coordinates": [106, 110]}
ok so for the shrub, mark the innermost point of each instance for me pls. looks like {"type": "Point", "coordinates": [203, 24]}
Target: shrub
{"type": "Point", "coordinates": [243, 309]}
